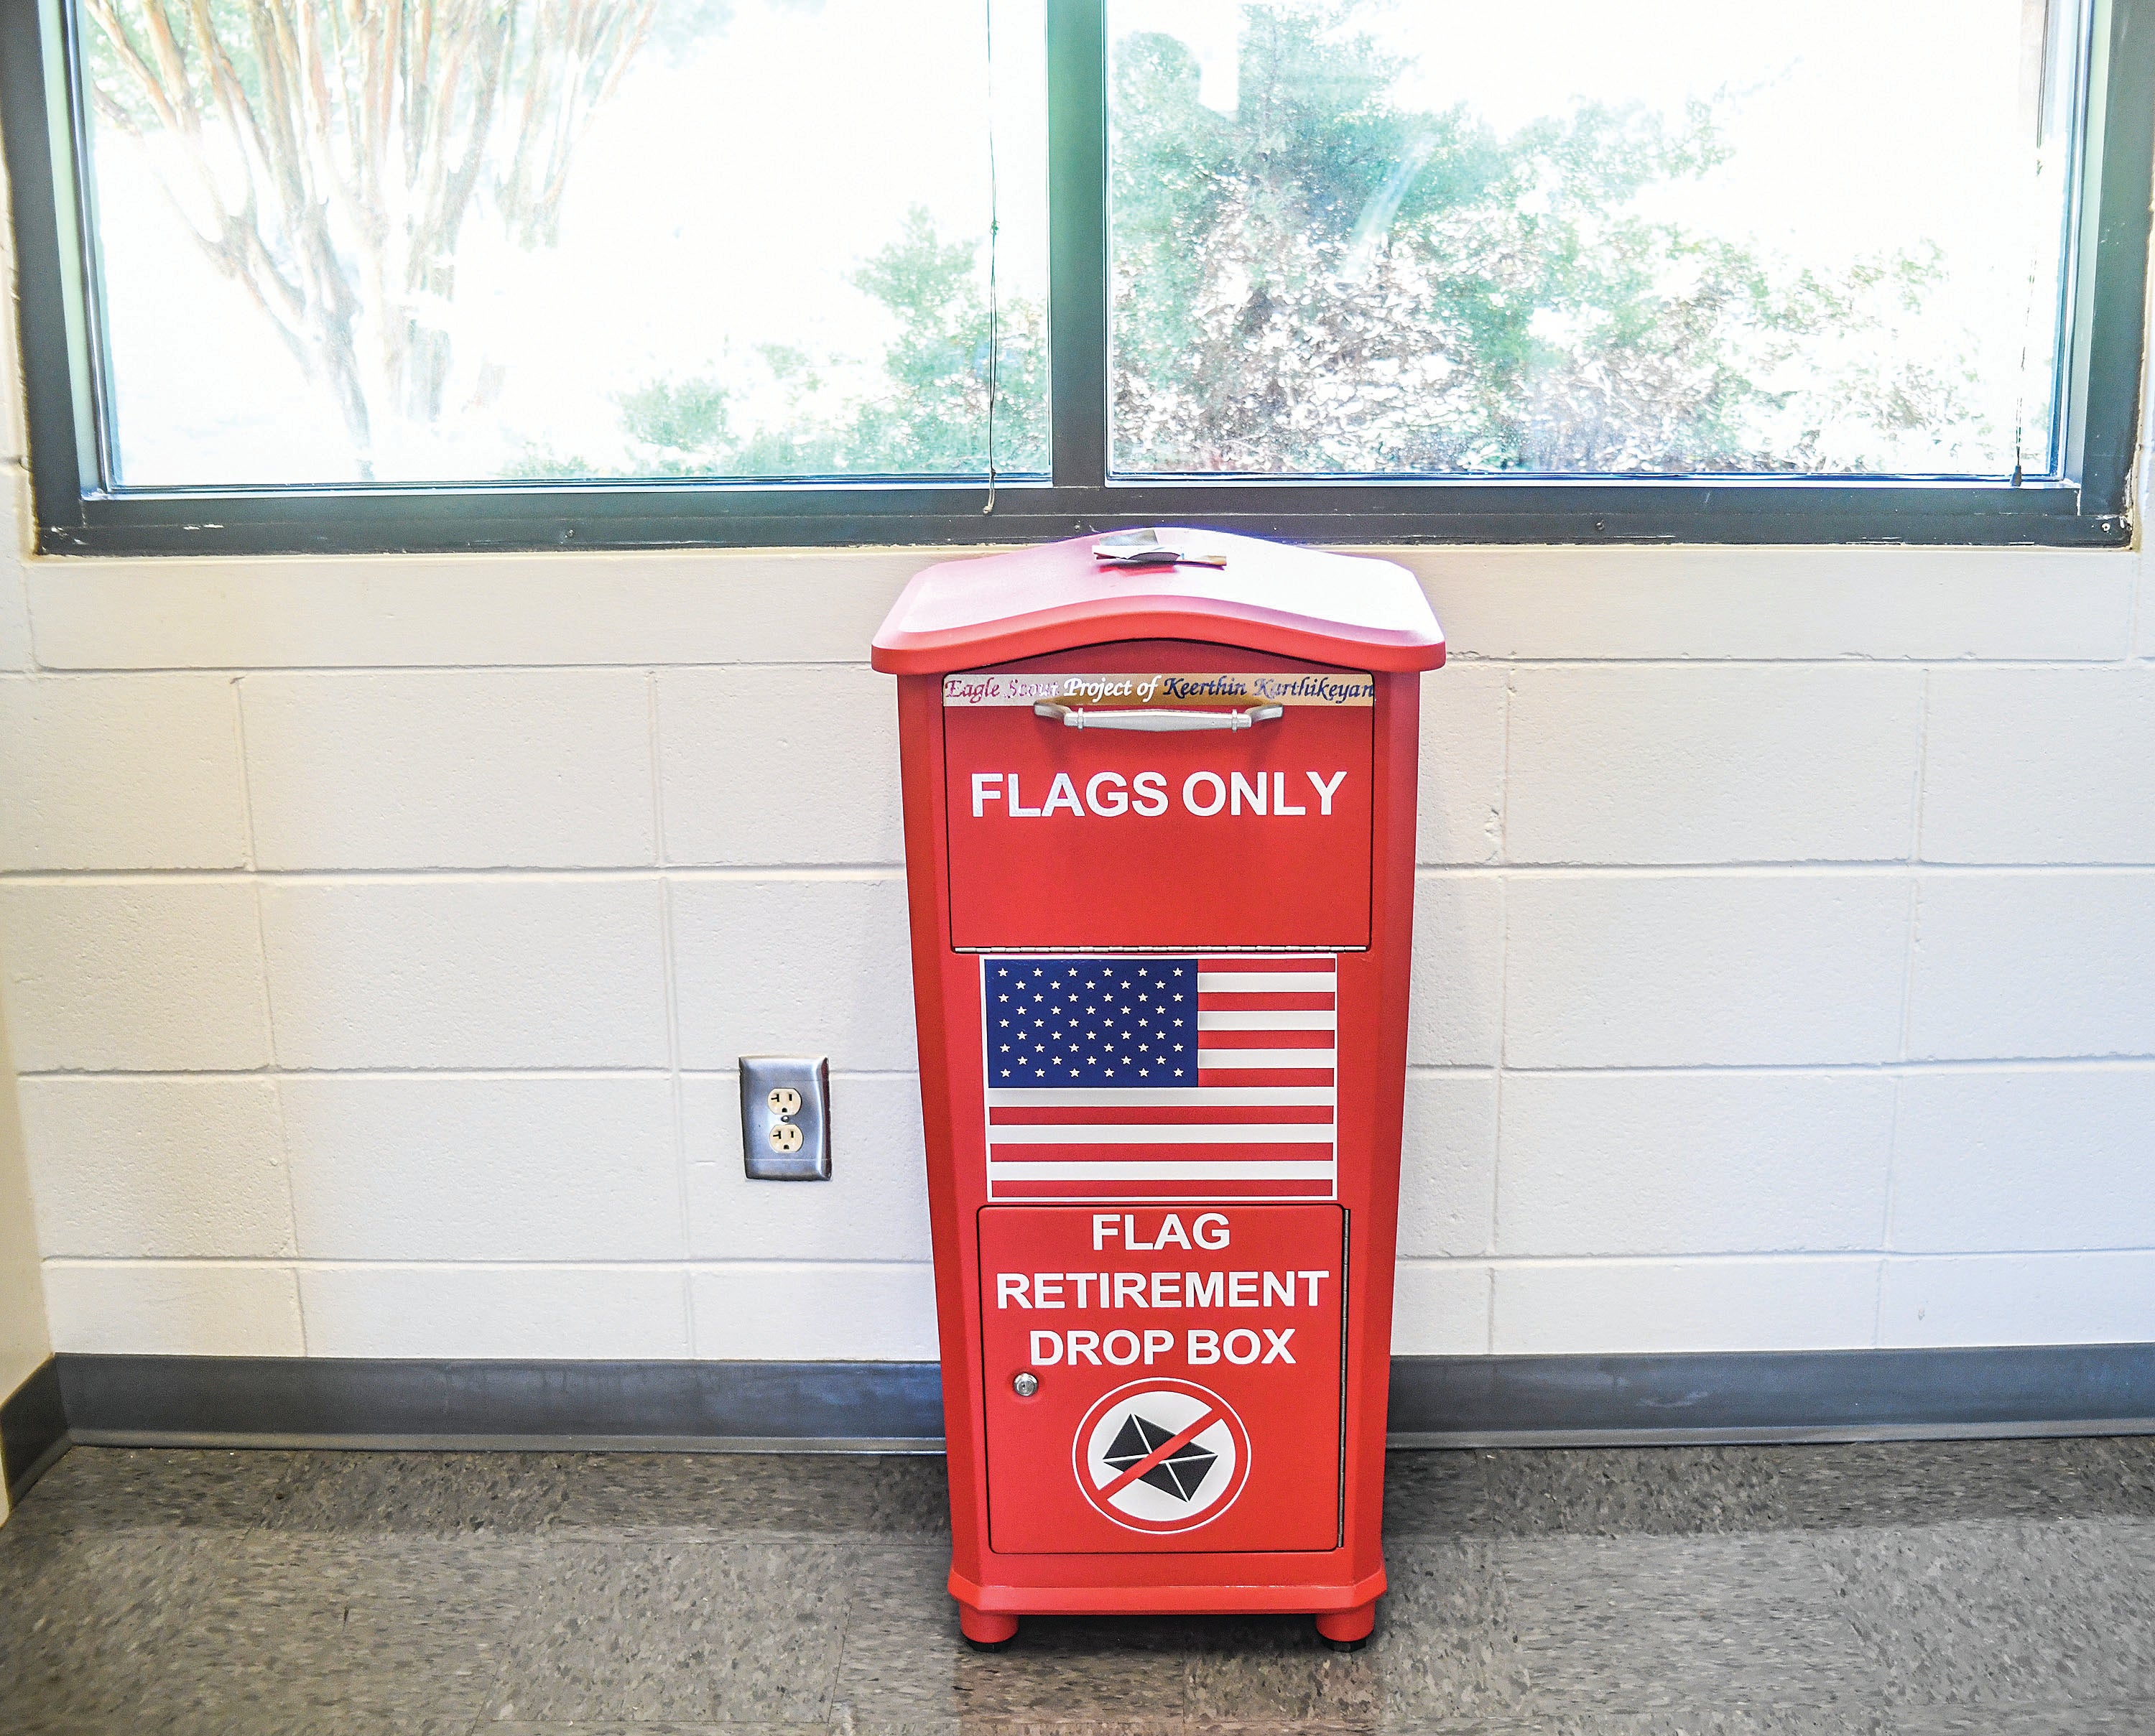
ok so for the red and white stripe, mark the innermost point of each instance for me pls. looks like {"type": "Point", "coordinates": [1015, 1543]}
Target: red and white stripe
{"type": "Point", "coordinates": [1259, 1124]}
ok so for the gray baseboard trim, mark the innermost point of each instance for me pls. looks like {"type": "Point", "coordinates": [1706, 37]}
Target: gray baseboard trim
{"type": "Point", "coordinates": [1772, 1395]}
{"type": "Point", "coordinates": [647, 1406]}
{"type": "Point", "coordinates": [1436, 1401]}
{"type": "Point", "coordinates": [33, 1430]}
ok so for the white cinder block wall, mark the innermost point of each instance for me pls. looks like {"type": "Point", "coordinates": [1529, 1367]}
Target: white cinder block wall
{"type": "Point", "coordinates": [25, 1343]}
{"type": "Point", "coordinates": [378, 936]}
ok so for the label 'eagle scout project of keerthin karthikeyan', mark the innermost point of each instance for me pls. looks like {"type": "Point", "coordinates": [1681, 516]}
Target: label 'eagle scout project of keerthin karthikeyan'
{"type": "Point", "coordinates": [1298, 687]}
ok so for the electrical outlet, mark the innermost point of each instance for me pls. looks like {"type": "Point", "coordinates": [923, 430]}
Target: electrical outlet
{"type": "Point", "coordinates": [785, 1117]}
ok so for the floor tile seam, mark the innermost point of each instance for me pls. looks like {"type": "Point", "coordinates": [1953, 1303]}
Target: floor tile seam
{"type": "Point", "coordinates": [2017, 1533]}
{"type": "Point", "coordinates": [281, 1492]}
{"type": "Point", "coordinates": [644, 1531]}
{"type": "Point", "coordinates": [1860, 1647]}
{"type": "Point", "coordinates": [307, 1551]}
{"type": "Point", "coordinates": [1870, 1646]}
{"type": "Point", "coordinates": [1919, 1717]}
{"type": "Point", "coordinates": [496, 1692]}
{"type": "Point", "coordinates": [1796, 1547]}
{"type": "Point", "coordinates": [2015, 1708]}
{"type": "Point", "coordinates": [1537, 1709]}
{"type": "Point", "coordinates": [835, 1682]}
{"type": "Point", "coordinates": [215, 1556]}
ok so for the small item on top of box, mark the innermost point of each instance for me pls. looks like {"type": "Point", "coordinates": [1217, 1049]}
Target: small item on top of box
{"type": "Point", "coordinates": [1146, 548]}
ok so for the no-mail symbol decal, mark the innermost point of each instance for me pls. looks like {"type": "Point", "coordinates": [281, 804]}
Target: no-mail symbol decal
{"type": "Point", "coordinates": [1162, 1455]}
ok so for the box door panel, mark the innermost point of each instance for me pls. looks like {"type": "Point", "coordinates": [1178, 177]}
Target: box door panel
{"type": "Point", "coordinates": [1188, 1367]}
{"type": "Point", "coordinates": [1123, 834]}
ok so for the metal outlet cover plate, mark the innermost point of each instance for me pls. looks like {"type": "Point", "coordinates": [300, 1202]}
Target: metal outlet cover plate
{"type": "Point", "coordinates": [785, 1117]}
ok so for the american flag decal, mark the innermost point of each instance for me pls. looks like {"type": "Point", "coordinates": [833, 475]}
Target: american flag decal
{"type": "Point", "coordinates": [1140, 1078]}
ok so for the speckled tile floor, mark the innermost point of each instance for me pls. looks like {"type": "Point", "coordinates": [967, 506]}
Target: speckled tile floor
{"type": "Point", "coordinates": [1978, 1587]}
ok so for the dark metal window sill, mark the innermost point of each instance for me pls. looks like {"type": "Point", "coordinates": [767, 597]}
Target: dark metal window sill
{"type": "Point", "coordinates": [1713, 510]}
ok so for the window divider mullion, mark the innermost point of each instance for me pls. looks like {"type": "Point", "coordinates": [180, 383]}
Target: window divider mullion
{"type": "Point", "coordinates": [1078, 241]}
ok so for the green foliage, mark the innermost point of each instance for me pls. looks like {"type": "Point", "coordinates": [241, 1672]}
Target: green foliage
{"type": "Point", "coordinates": [114, 35]}
{"type": "Point", "coordinates": [933, 417]}
{"type": "Point", "coordinates": [535, 464]}
{"type": "Point", "coordinates": [1329, 282]}
{"type": "Point", "coordinates": [685, 428]}
{"type": "Point", "coordinates": [929, 417]}
{"type": "Point", "coordinates": [683, 28]}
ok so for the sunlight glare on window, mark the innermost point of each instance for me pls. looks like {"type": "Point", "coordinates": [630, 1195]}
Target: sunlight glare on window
{"type": "Point", "coordinates": [1598, 236]}
{"type": "Point", "coordinates": [564, 239]}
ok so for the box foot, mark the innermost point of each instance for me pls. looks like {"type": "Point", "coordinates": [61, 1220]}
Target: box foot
{"type": "Point", "coordinates": [1348, 1630]}
{"type": "Point", "coordinates": [986, 1630]}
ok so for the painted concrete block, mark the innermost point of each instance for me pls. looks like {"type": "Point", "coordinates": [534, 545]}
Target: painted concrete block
{"type": "Point", "coordinates": [2023, 1298]}
{"type": "Point", "coordinates": [150, 1168]}
{"type": "Point", "coordinates": [566, 1313]}
{"type": "Point", "coordinates": [1459, 807]}
{"type": "Point", "coordinates": [2014, 966]}
{"type": "Point", "coordinates": [2040, 765]}
{"type": "Point", "coordinates": [2025, 1158]}
{"type": "Point", "coordinates": [16, 645]}
{"type": "Point", "coordinates": [1612, 763]}
{"type": "Point", "coordinates": [874, 1207]}
{"type": "Point", "coordinates": [804, 1313]}
{"type": "Point", "coordinates": [1764, 604]}
{"type": "Point", "coordinates": [1687, 969]}
{"type": "Point", "coordinates": [1456, 1017]}
{"type": "Point", "coordinates": [120, 772]}
{"type": "Point", "coordinates": [780, 765]}
{"type": "Point", "coordinates": [646, 609]}
{"type": "Point", "coordinates": [1441, 1308]}
{"type": "Point", "coordinates": [793, 966]}
{"type": "Point", "coordinates": [493, 972]}
{"type": "Point", "coordinates": [133, 975]}
{"type": "Point", "coordinates": [1447, 1164]}
{"type": "Point", "coordinates": [1667, 1163]}
{"type": "Point", "coordinates": [489, 768]}
{"type": "Point", "coordinates": [173, 1308]}
{"type": "Point", "coordinates": [413, 1168]}
{"type": "Point", "coordinates": [1587, 1308]}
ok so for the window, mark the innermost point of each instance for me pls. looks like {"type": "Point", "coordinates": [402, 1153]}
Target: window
{"type": "Point", "coordinates": [621, 273]}
{"type": "Point", "coordinates": [1676, 239]}
{"type": "Point", "coordinates": [459, 244]}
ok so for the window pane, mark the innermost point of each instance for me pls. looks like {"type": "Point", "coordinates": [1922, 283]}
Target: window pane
{"type": "Point", "coordinates": [448, 240]}
{"type": "Point", "coordinates": [1655, 236]}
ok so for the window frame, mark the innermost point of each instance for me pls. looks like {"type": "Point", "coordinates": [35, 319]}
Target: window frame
{"type": "Point", "coordinates": [76, 512]}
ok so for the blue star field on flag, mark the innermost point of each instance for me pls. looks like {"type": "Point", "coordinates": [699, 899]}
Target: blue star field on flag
{"type": "Point", "coordinates": [1107, 1022]}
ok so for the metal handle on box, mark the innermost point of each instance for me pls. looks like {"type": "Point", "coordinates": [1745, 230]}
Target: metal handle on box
{"type": "Point", "coordinates": [1158, 722]}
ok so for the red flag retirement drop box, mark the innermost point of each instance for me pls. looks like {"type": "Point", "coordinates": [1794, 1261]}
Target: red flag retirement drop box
{"type": "Point", "coordinates": [1159, 861]}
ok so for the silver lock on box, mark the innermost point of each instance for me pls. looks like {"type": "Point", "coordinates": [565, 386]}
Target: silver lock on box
{"type": "Point", "coordinates": [785, 1117]}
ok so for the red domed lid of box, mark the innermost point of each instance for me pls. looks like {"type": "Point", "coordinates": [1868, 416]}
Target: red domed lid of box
{"type": "Point", "coordinates": [1272, 596]}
